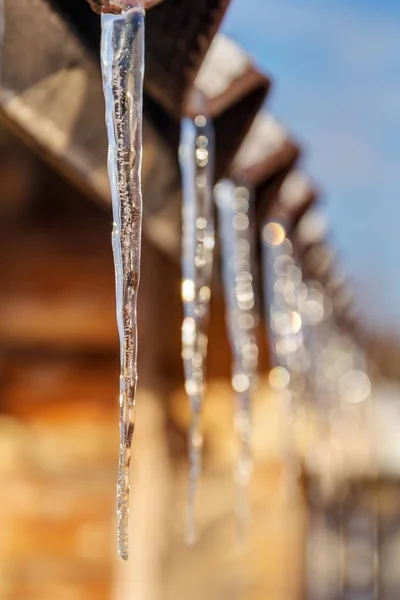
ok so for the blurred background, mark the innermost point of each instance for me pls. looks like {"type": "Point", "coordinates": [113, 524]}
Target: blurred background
{"type": "Point", "coordinates": [325, 491]}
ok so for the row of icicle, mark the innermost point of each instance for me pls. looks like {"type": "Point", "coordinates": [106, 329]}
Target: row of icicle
{"type": "Point", "coordinates": [318, 366]}
{"type": "Point", "coordinates": [237, 246]}
{"type": "Point", "coordinates": [122, 57]}
{"type": "Point", "coordinates": [295, 311]}
{"type": "Point", "coordinates": [123, 65]}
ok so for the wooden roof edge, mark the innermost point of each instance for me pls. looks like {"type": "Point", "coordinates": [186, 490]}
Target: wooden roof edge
{"type": "Point", "coordinates": [227, 74]}
{"type": "Point", "coordinates": [190, 43]}
{"type": "Point", "coordinates": [118, 6]}
{"type": "Point", "coordinates": [318, 260]}
{"type": "Point", "coordinates": [240, 88]}
{"type": "Point", "coordinates": [295, 196]}
{"type": "Point", "coordinates": [267, 147]}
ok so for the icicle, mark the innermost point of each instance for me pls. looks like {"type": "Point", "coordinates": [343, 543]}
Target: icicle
{"type": "Point", "coordinates": [284, 290]}
{"type": "Point", "coordinates": [196, 155]}
{"type": "Point", "coordinates": [237, 244]}
{"type": "Point", "coordinates": [122, 57]}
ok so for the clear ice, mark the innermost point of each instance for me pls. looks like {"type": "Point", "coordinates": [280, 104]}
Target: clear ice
{"type": "Point", "coordinates": [237, 236]}
{"type": "Point", "coordinates": [122, 59]}
{"type": "Point", "coordinates": [196, 157]}
{"type": "Point", "coordinates": [284, 290]}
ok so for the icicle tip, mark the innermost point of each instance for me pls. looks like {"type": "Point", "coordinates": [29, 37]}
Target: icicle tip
{"type": "Point", "coordinates": [124, 554]}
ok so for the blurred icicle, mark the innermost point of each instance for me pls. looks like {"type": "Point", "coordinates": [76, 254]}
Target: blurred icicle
{"type": "Point", "coordinates": [196, 156]}
{"type": "Point", "coordinates": [122, 58]}
{"type": "Point", "coordinates": [284, 291]}
{"type": "Point", "coordinates": [237, 246]}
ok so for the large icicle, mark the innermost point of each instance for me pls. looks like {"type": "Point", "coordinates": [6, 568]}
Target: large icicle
{"type": "Point", "coordinates": [237, 245]}
{"type": "Point", "coordinates": [122, 57]}
{"type": "Point", "coordinates": [196, 155]}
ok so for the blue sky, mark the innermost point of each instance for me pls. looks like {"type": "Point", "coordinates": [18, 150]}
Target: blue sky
{"type": "Point", "coordinates": [336, 71]}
